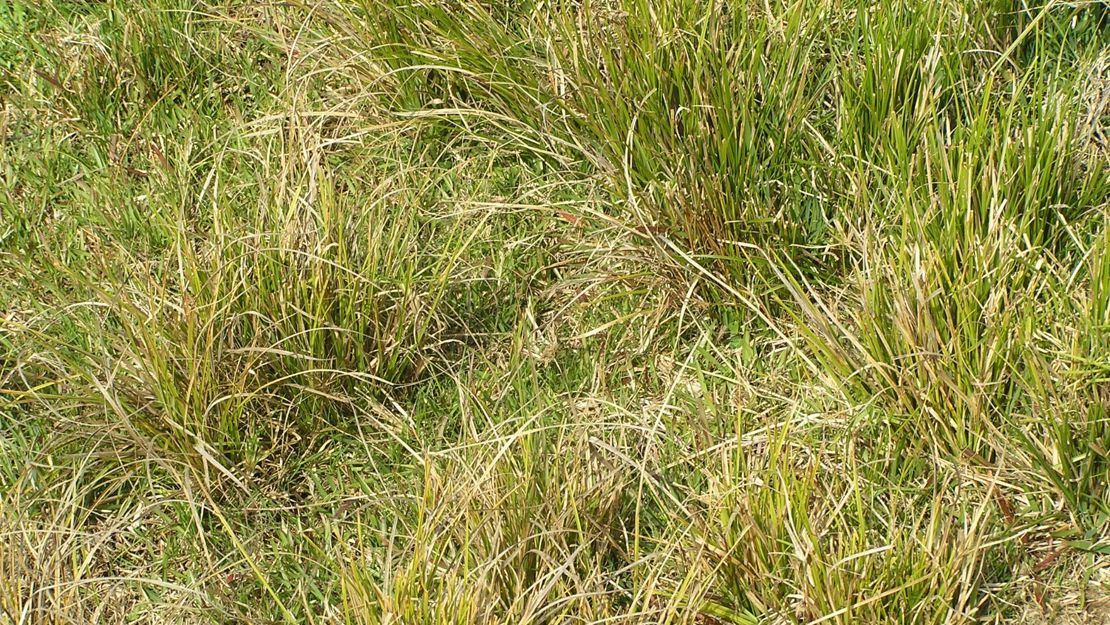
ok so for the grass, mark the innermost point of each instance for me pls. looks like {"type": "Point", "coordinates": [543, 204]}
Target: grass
{"type": "Point", "coordinates": [607, 311]}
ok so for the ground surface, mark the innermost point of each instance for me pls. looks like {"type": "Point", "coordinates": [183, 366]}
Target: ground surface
{"type": "Point", "coordinates": [445, 312]}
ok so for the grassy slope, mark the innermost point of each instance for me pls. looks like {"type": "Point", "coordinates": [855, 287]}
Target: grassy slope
{"type": "Point", "coordinates": [565, 312]}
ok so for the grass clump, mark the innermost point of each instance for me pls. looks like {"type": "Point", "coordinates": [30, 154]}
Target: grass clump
{"type": "Point", "coordinates": [507, 312]}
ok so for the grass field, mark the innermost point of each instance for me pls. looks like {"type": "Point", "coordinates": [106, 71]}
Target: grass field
{"type": "Point", "coordinates": [474, 312]}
